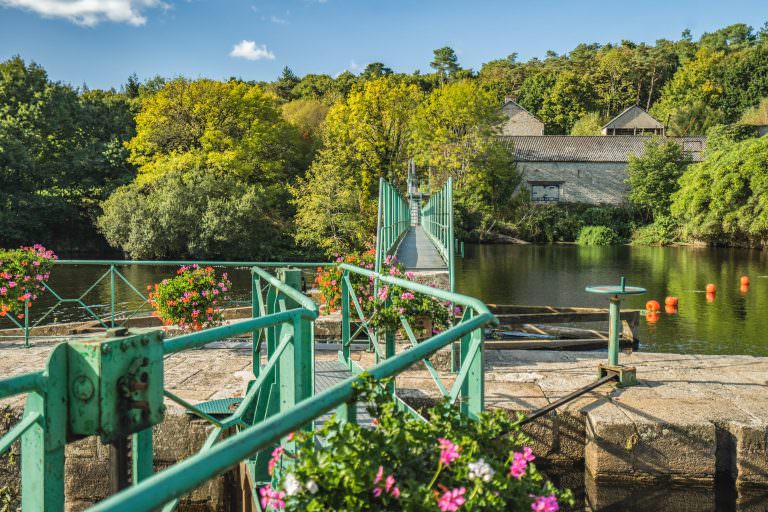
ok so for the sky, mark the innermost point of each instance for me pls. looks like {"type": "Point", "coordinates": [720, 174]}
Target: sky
{"type": "Point", "coordinates": [101, 42]}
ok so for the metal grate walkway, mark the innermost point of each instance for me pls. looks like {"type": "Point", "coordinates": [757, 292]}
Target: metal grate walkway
{"type": "Point", "coordinates": [330, 373]}
{"type": "Point", "coordinates": [417, 252]}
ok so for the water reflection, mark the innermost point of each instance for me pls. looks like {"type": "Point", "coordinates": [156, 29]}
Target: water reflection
{"type": "Point", "coordinates": [732, 323]}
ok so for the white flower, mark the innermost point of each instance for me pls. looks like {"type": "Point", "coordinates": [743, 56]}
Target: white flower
{"type": "Point", "coordinates": [311, 486]}
{"type": "Point", "coordinates": [292, 485]}
{"type": "Point", "coordinates": [480, 470]}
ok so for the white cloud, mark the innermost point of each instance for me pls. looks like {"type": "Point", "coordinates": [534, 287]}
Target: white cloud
{"type": "Point", "coordinates": [251, 51]}
{"type": "Point", "coordinates": [279, 21]}
{"type": "Point", "coordinates": [353, 66]}
{"type": "Point", "coordinates": [89, 12]}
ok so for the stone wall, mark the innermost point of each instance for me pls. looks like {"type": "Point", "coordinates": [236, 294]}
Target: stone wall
{"type": "Point", "coordinates": [581, 182]}
{"type": "Point", "coordinates": [519, 121]}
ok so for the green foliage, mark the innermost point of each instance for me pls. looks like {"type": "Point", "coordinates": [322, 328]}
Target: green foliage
{"type": "Point", "coordinates": [663, 231]}
{"type": "Point", "coordinates": [201, 215]}
{"type": "Point", "coordinates": [568, 101]}
{"type": "Point", "coordinates": [590, 123]}
{"type": "Point", "coordinates": [654, 176]}
{"type": "Point", "coordinates": [190, 299]}
{"type": "Point", "coordinates": [597, 235]}
{"type": "Point", "coordinates": [722, 135]}
{"type": "Point", "coordinates": [412, 462]}
{"type": "Point", "coordinates": [723, 200]}
{"type": "Point", "coordinates": [563, 222]}
{"type": "Point", "coordinates": [757, 115]}
{"type": "Point", "coordinates": [328, 281]}
{"type": "Point", "coordinates": [23, 274]}
{"type": "Point", "coordinates": [60, 154]}
{"type": "Point", "coordinates": [445, 63]}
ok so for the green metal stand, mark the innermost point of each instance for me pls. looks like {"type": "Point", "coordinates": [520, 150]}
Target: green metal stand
{"type": "Point", "coordinates": [627, 375]}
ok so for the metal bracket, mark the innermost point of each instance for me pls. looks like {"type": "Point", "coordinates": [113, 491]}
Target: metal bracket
{"type": "Point", "coordinates": [626, 375]}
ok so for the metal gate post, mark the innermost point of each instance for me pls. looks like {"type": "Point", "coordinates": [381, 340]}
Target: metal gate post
{"type": "Point", "coordinates": [473, 387]}
{"type": "Point", "coordinates": [42, 445]}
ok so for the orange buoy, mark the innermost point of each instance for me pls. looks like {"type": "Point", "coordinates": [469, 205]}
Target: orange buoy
{"type": "Point", "coordinates": [670, 301]}
{"type": "Point", "coordinates": [744, 288]}
{"type": "Point", "coordinates": [711, 288]}
{"type": "Point", "coordinates": [669, 309]}
{"type": "Point", "coordinates": [652, 317]}
{"type": "Point", "coordinates": [652, 305]}
{"type": "Point", "coordinates": [710, 296]}
{"type": "Point", "coordinates": [744, 280]}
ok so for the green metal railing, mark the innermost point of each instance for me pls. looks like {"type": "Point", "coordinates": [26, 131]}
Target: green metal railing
{"type": "Point", "coordinates": [437, 220]}
{"type": "Point", "coordinates": [393, 220]}
{"type": "Point", "coordinates": [278, 401]}
{"type": "Point", "coordinates": [112, 274]}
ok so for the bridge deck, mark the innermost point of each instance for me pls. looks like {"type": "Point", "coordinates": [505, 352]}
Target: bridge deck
{"type": "Point", "coordinates": [417, 252]}
{"type": "Point", "coordinates": [330, 373]}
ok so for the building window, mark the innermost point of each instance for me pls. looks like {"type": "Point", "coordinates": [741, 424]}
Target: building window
{"type": "Point", "coordinates": [545, 191]}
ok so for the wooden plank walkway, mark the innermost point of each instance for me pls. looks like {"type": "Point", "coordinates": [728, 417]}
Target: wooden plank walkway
{"type": "Point", "coordinates": [417, 252]}
{"type": "Point", "coordinates": [330, 373]}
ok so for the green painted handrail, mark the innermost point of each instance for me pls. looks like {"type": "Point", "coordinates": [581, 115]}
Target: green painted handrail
{"type": "Point", "coordinates": [437, 220]}
{"type": "Point", "coordinates": [189, 474]}
{"type": "Point", "coordinates": [298, 264]}
{"type": "Point", "coordinates": [393, 220]}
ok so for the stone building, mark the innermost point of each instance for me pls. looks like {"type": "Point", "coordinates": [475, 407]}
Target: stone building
{"type": "Point", "coordinates": [519, 121]}
{"type": "Point", "coordinates": [576, 169]}
{"type": "Point", "coordinates": [634, 121]}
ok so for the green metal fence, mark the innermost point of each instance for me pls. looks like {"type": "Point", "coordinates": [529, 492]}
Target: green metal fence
{"type": "Point", "coordinates": [65, 404]}
{"type": "Point", "coordinates": [112, 315]}
{"type": "Point", "coordinates": [437, 220]}
{"type": "Point", "coordinates": [393, 221]}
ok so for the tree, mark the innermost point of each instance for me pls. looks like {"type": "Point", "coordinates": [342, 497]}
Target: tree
{"type": "Point", "coordinates": [653, 177]}
{"type": "Point", "coordinates": [60, 153]}
{"type": "Point", "coordinates": [229, 128]}
{"type": "Point", "coordinates": [567, 102]}
{"type": "Point", "coordinates": [445, 63]}
{"type": "Point", "coordinates": [215, 160]}
{"type": "Point", "coordinates": [285, 84]}
{"type": "Point", "coordinates": [590, 123]}
{"type": "Point", "coordinates": [197, 214]}
{"type": "Point", "coordinates": [722, 135]}
{"type": "Point", "coordinates": [724, 199]}
{"type": "Point", "coordinates": [365, 138]}
{"type": "Point", "coordinates": [449, 126]}
{"type": "Point", "coordinates": [375, 70]}
{"type": "Point", "coordinates": [757, 115]}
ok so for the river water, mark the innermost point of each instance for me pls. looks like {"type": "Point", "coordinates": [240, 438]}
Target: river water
{"type": "Point", "coordinates": [735, 322]}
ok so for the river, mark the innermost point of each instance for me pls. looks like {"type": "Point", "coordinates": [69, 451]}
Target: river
{"type": "Point", "coordinates": [735, 322]}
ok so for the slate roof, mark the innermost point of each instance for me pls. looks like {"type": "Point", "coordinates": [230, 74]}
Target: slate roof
{"type": "Point", "coordinates": [568, 148]}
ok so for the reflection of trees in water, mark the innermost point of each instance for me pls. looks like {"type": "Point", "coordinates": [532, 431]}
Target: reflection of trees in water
{"type": "Point", "coordinates": [557, 274]}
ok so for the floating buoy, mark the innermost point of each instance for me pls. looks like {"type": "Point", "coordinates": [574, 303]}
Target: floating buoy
{"type": "Point", "coordinates": [744, 280]}
{"type": "Point", "coordinates": [711, 288]}
{"type": "Point", "coordinates": [652, 317]}
{"type": "Point", "coordinates": [744, 288]}
{"type": "Point", "coordinates": [710, 296]}
{"type": "Point", "coordinates": [652, 305]}
{"type": "Point", "coordinates": [669, 309]}
{"type": "Point", "coordinates": [670, 301]}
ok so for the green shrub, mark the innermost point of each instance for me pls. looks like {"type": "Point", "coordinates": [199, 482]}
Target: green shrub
{"type": "Point", "coordinates": [563, 222]}
{"type": "Point", "coordinates": [450, 462]}
{"type": "Point", "coordinates": [663, 231]}
{"type": "Point", "coordinates": [598, 235]}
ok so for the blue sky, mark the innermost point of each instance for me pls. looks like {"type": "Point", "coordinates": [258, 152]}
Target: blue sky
{"type": "Point", "coordinates": [100, 46]}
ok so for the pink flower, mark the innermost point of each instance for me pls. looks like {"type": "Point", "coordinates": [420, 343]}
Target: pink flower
{"type": "Point", "coordinates": [379, 475]}
{"type": "Point", "coordinates": [519, 464]}
{"type": "Point", "coordinates": [406, 296]}
{"type": "Point", "coordinates": [451, 500]}
{"type": "Point", "coordinates": [409, 275]}
{"type": "Point", "coordinates": [449, 452]}
{"type": "Point", "coordinates": [528, 454]}
{"type": "Point", "coordinates": [276, 454]}
{"type": "Point", "coordinates": [545, 504]}
{"type": "Point", "coordinates": [11, 284]}
{"type": "Point", "coordinates": [271, 498]}
{"type": "Point", "coordinates": [383, 293]}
